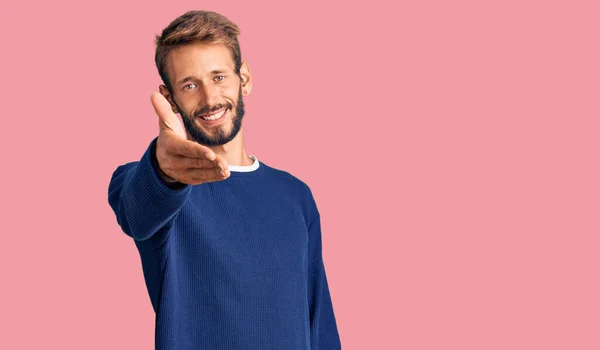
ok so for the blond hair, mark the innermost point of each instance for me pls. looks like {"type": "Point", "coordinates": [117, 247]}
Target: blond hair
{"type": "Point", "coordinates": [196, 27]}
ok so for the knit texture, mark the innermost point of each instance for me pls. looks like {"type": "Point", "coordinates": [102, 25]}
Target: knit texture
{"type": "Point", "coordinates": [232, 264]}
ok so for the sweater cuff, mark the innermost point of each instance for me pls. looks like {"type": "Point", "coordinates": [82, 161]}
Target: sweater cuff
{"type": "Point", "coordinates": [158, 186]}
{"type": "Point", "coordinates": [174, 185]}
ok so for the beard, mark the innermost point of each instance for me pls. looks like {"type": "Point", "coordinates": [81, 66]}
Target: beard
{"type": "Point", "coordinates": [219, 135]}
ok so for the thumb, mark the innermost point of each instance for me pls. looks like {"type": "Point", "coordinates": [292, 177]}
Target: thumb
{"type": "Point", "coordinates": [167, 120]}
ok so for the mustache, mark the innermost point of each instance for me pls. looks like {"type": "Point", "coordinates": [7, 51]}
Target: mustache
{"type": "Point", "coordinates": [206, 110]}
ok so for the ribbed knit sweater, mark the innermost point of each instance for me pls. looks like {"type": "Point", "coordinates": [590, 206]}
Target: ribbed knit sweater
{"type": "Point", "coordinates": [232, 264]}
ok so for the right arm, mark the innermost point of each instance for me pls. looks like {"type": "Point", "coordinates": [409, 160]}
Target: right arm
{"type": "Point", "coordinates": [147, 195]}
{"type": "Point", "coordinates": [143, 203]}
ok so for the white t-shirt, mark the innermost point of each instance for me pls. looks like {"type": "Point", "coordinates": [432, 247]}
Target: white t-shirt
{"type": "Point", "coordinates": [252, 167]}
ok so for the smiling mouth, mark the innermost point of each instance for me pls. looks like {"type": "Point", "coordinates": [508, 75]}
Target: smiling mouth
{"type": "Point", "coordinates": [214, 116]}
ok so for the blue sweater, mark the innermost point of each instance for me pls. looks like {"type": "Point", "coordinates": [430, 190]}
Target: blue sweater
{"type": "Point", "coordinates": [232, 264]}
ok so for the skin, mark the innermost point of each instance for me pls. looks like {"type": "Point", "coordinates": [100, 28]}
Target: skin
{"type": "Point", "coordinates": [193, 152]}
{"type": "Point", "coordinates": [206, 92]}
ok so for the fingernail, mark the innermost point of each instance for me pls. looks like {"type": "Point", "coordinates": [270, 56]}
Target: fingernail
{"type": "Point", "coordinates": [222, 173]}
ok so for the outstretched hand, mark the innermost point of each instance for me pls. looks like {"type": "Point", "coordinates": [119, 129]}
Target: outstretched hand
{"type": "Point", "coordinates": [179, 158]}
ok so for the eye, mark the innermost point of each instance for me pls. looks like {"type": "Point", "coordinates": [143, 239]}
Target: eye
{"type": "Point", "coordinates": [185, 87]}
{"type": "Point", "coordinates": [220, 76]}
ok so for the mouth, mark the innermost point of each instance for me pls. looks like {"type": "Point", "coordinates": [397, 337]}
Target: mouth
{"type": "Point", "coordinates": [215, 117]}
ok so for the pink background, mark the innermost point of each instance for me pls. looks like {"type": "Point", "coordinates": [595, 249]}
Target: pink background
{"type": "Point", "coordinates": [452, 148]}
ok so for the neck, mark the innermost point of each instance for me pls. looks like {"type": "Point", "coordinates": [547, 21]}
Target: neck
{"type": "Point", "coordinates": [234, 151]}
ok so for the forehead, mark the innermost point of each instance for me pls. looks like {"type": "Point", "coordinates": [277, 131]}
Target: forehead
{"type": "Point", "coordinates": [198, 60]}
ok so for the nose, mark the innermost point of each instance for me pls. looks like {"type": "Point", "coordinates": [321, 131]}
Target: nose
{"type": "Point", "coordinates": [210, 94]}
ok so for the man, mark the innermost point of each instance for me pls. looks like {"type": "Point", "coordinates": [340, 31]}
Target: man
{"type": "Point", "coordinates": [231, 247]}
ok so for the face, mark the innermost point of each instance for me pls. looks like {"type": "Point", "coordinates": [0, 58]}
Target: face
{"type": "Point", "coordinates": [204, 81]}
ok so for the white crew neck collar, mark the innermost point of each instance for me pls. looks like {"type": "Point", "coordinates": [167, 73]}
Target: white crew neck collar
{"type": "Point", "coordinates": [244, 168]}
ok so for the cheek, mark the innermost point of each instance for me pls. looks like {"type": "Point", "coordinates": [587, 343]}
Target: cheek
{"type": "Point", "coordinates": [232, 94]}
{"type": "Point", "coordinates": [229, 91]}
{"type": "Point", "coordinates": [189, 102]}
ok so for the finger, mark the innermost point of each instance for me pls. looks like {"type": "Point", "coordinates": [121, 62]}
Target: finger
{"type": "Point", "coordinates": [205, 175]}
{"type": "Point", "coordinates": [162, 109]}
{"type": "Point", "coordinates": [184, 162]}
{"type": "Point", "coordinates": [190, 149]}
{"type": "Point", "coordinates": [221, 162]}
{"type": "Point", "coordinates": [167, 120]}
{"type": "Point", "coordinates": [191, 155]}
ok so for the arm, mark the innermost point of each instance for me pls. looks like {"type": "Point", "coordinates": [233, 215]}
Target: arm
{"type": "Point", "coordinates": [323, 329]}
{"type": "Point", "coordinates": [144, 204]}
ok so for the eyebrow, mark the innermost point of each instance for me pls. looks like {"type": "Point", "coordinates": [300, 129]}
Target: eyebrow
{"type": "Point", "coordinates": [190, 78]}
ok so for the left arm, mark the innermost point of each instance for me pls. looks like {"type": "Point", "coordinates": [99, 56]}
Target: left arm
{"type": "Point", "coordinates": [323, 329]}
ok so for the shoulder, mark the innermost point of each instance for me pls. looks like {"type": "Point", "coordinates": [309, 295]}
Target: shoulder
{"type": "Point", "coordinates": [288, 180]}
{"type": "Point", "coordinates": [297, 188]}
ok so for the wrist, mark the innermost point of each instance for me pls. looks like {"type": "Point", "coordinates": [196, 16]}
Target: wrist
{"type": "Point", "coordinates": [161, 174]}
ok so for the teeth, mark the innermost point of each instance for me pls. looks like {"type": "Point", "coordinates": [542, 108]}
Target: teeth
{"type": "Point", "coordinates": [215, 117]}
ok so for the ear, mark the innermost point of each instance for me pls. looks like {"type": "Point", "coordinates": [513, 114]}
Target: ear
{"type": "Point", "coordinates": [165, 92]}
{"type": "Point", "coordinates": [246, 77]}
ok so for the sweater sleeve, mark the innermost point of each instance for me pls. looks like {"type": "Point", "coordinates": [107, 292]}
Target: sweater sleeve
{"type": "Point", "coordinates": [323, 329]}
{"type": "Point", "coordinates": [145, 207]}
